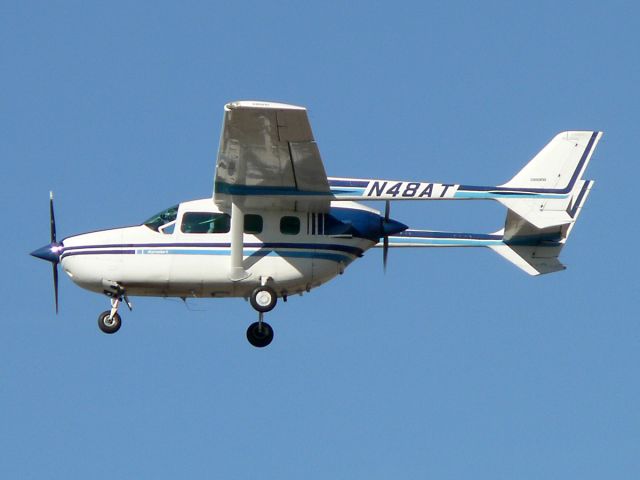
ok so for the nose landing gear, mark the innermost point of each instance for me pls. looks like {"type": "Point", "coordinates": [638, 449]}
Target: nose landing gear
{"type": "Point", "coordinates": [109, 321]}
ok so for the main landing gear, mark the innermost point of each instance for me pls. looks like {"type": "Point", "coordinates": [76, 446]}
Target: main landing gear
{"type": "Point", "coordinates": [260, 334]}
{"type": "Point", "coordinates": [263, 299]}
{"type": "Point", "coordinates": [109, 321]}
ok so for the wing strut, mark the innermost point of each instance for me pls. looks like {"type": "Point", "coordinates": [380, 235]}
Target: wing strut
{"type": "Point", "coordinates": [237, 271]}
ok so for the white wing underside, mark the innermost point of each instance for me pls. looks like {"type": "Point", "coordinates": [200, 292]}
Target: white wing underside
{"type": "Point", "coordinates": [268, 159]}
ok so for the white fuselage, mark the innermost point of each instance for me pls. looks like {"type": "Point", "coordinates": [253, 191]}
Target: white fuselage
{"type": "Point", "coordinates": [174, 262]}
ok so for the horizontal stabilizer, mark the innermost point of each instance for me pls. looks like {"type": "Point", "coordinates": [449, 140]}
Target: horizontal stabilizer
{"type": "Point", "coordinates": [533, 260]}
{"type": "Point", "coordinates": [545, 213]}
{"type": "Point", "coordinates": [536, 250]}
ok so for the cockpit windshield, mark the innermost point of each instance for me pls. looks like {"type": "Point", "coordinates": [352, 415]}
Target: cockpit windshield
{"type": "Point", "coordinates": [164, 217]}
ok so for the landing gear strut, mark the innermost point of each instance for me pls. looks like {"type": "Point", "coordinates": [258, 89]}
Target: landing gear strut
{"type": "Point", "coordinates": [109, 321]}
{"type": "Point", "coordinates": [263, 299]}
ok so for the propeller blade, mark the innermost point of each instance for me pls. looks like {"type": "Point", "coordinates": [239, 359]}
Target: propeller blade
{"type": "Point", "coordinates": [385, 253]}
{"type": "Point", "coordinates": [55, 284]}
{"type": "Point", "coordinates": [385, 240]}
{"type": "Point", "coordinates": [52, 218]}
{"type": "Point", "coordinates": [52, 251]}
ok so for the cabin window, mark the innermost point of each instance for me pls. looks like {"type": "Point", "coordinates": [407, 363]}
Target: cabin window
{"type": "Point", "coordinates": [159, 219]}
{"type": "Point", "coordinates": [205, 222]}
{"type": "Point", "coordinates": [252, 223]}
{"type": "Point", "coordinates": [290, 225]}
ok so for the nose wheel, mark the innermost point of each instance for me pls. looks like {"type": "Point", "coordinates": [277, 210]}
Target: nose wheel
{"type": "Point", "coordinates": [109, 321]}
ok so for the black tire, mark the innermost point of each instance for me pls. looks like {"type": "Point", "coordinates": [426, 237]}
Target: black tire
{"type": "Point", "coordinates": [264, 298]}
{"type": "Point", "coordinates": [109, 326]}
{"type": "Point", "coordinates": [260, 335]}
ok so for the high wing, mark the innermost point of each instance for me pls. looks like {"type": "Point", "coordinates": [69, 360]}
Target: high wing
{"type": "Point", "coordinates": [269, 159]}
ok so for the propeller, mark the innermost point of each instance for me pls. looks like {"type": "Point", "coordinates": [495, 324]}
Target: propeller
{"type": "Point", "coordinates": [389, 227]}
{"type": "Point", "coordinates": [52, 219]}
{"type": "Point", "coordinates": [385, 240]}
{"type": "Point", "coordinates": [51, 252]}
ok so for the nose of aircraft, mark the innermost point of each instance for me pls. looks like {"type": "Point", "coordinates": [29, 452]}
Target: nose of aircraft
{"type": "Point", "coordinates": [391, 227]}
{"type": "Point", "coordinates": [50, 252]}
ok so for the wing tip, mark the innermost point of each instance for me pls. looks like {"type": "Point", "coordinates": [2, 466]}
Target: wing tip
{"type": "Point", "coordinates": [261, 104]}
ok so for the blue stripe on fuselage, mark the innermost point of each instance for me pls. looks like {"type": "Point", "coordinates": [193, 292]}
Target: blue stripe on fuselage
{"type": "Point", "coordinates": [273, 245]}
{"type": "Point", "coordinates": [341, 253]}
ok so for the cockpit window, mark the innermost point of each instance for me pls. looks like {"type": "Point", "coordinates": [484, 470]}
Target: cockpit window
{"type": "Point", "coordinates": [205, 222]}
{"type": "Point", "coordinates": [159, 219]}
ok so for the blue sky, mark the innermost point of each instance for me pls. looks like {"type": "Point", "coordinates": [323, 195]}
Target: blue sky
{"type": "Point", "coordinates": [452, 365]}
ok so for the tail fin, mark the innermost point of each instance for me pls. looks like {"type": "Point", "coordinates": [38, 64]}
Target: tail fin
{"type": "Point", "coordinates": [552, 175]}
{"type": "Point", "coordinates": [535, 250]}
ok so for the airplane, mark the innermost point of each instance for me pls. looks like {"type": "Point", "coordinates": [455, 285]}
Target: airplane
{"type": "Point", "coordinates": [277, 226]}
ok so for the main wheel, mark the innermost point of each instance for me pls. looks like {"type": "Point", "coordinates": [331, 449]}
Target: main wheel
{"type": "Point", "coordinates": [264, 298]}
{"type": "Point", "coordinates": [260, 334]}
{"type": "Point", "coordinates": [109, 325]}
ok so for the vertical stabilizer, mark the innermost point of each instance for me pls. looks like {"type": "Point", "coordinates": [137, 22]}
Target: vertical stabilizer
{"type": "Point", "coordinates": [552, 176]}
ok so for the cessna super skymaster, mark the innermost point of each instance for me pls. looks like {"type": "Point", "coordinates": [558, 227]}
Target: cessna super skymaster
{"type": "Point", "coordinates": [277, 226]}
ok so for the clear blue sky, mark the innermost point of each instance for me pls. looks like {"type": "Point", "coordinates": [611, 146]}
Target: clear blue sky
{"type": "Point", "coordinates": [452, 365]}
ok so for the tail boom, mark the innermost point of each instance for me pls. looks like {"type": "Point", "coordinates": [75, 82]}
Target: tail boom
{"type": "Point", "coordinates": [432, 238]}
{"type": "Point", "coordinates": [551, 175]}
{"type": "Point", "coordinates": [532, 249]}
